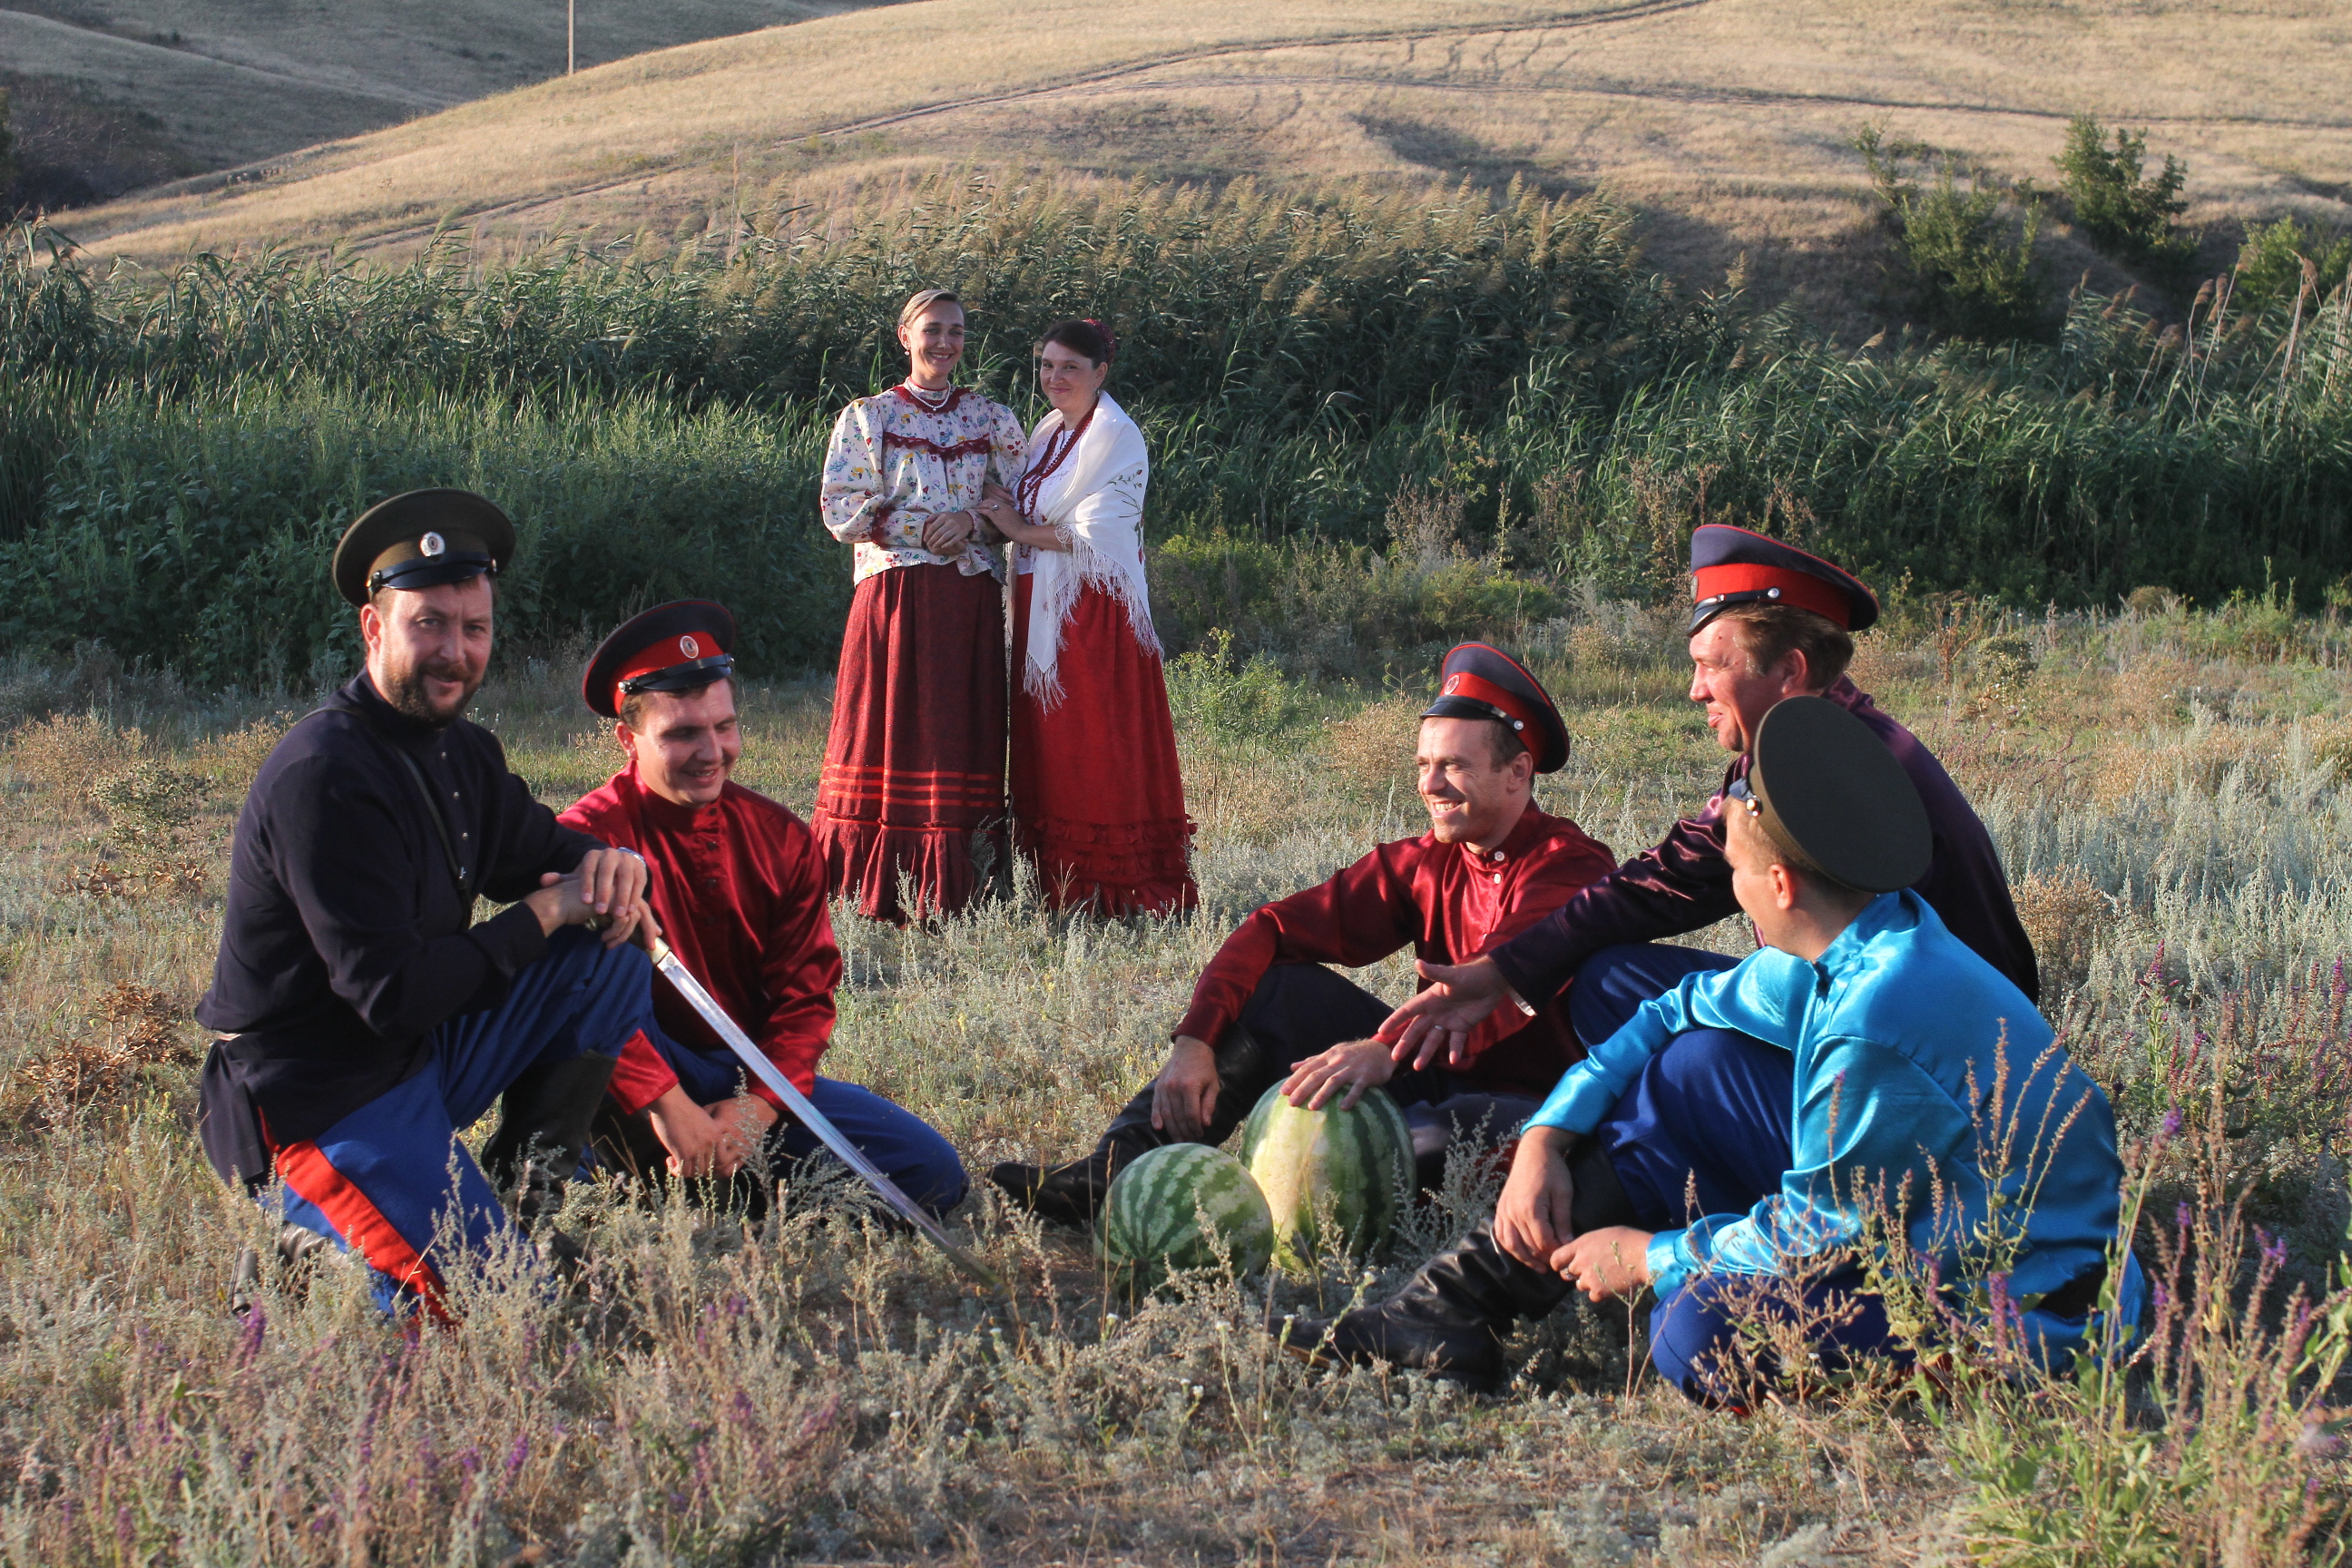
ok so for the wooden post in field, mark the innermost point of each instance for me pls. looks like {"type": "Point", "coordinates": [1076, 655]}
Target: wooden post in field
{"type": "Point", "coordinates": [571, 36]}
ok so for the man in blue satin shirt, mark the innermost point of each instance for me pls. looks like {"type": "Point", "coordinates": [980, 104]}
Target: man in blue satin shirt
{"type": "Point", "coordinates": [1686, 1155]}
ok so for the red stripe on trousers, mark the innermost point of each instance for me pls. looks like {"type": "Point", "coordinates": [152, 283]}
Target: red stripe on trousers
{"type": "Point", "coordinates": [306, 1170]}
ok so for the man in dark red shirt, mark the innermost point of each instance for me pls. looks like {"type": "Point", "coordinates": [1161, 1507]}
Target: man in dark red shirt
{"type": "Point", "coordinates": [1265, 1011]}
{"type": "Point", "coordinates": [737, 883]}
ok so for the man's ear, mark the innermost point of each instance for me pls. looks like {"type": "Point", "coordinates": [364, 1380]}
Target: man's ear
{"type": "Point", "coordinates": [1796, 673]}
{"type": "Point", "coordinates": [371, 627]}
{"type": "Point", "coordinates": [1785, 888]}
{"type": "Point", "coordinates": [627, 737]}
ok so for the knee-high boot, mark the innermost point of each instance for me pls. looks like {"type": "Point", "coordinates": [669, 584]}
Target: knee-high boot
{"type": "Point", "coordinates": [1074, 1194]}
{"type": "Point", "coordinates": [543, 1122]}
{"type": "Point", "coordinates": [1449, 1320]}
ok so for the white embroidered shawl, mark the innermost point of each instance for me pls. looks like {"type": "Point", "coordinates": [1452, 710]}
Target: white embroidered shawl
{"type": "Point", "coordinates": [1096, 499]}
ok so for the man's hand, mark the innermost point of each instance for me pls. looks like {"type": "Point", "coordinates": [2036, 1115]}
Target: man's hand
{"type": "Point", "coordinates": [1612, 1261]}
{"type": "Point", "coordinates": [742, 1122]}
{"type": "Point", "coordinates": [689, 1132]}
{"type": "Point", "coordinates": [710, 1140]}
{"type": "Point", "coordinates": [1442, 1018]}
{"type": "Point", "coordinates": [1531, 1219]}
{"type": "Point", "coordinates": [1185, 1095]}
{"type": "Point", "coordinates": [1355, 1066]}
{"type": "Point", "coordinates": [947, 532]}
{"type": "Point", "coordinates": [606, 892]}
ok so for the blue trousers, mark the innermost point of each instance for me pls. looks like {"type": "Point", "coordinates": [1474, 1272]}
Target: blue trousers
{"type": "Point", "coordinates": [1705, 1128]}
{"type": "Point", "coordinates": [392, 1180]}
{"type": "Point", "coordinates": [908, 1149]}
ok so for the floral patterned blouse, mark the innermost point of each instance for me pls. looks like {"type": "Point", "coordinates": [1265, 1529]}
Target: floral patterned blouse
{"type": "Point", "coordinates": [904, 456]}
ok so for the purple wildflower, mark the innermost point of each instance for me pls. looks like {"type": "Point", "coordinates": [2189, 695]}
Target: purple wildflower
{"type": "Point", "coordinates": [517, 1455]}
{"type": "Point", "coordinates": [2172, 1120]}
{"type": "Point", "coordinates": [2180, 1214]}
{"type": "Point", "coordinates": [256, 1324]}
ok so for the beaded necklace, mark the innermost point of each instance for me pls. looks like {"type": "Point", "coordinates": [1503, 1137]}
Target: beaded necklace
{"type": "Point", "coordinates": [1059, 445]}
{"type": "Point", "coordinates": [934, 401]}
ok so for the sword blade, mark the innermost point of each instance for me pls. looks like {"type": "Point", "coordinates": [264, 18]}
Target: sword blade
{"type": "Point", "coordinates": [850, 1154]}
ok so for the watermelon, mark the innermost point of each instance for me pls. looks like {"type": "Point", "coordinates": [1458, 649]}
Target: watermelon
{"type": "Point", "coordinates": [1170, 1208]}
{"type": "Point", "coordinates": [1354, 1167]}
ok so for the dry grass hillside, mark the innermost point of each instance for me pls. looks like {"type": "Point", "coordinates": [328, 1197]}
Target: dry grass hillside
{"type": "Point", "coordinates": [108, 96]}
{"type": "Point", "coordinates": [1730, 119]}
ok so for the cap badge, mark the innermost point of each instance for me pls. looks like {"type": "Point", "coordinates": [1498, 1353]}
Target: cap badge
{"type": "Point", "coordinates": [432, 544]}
{"type": "Point", "coordinates": [690, 647]}
{"type": "Point", "coordinates": [1453, 686]}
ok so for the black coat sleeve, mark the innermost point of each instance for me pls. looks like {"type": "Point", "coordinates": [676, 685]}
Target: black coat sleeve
{"type": "Point", "coordinates": [349, 859]}
{"type": "Point", "coordinates": [1683, 884]}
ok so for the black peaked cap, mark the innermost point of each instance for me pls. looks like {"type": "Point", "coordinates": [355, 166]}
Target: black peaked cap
{"type": "Point", "coordinates": [1481, 682]}
{"type": "Point", "coordinates": [1831, 791]}
{"type": "Point", "coordinates": [422, 540]}
{"type": "Point", "coordinates": [683, 646]}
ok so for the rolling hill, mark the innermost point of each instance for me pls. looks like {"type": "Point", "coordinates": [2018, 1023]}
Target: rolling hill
{"type": "Point", "coordinates": [1729, 122]}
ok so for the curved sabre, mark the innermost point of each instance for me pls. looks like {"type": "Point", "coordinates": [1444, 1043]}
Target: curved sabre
{"type": "Point", "coordinates": [913, 1213]}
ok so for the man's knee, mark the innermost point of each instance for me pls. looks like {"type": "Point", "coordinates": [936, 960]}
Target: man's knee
{"type": "Point", "coordinates": [1693, 1338]}
{"type": "Point", "coordinates": [1299, 1009]}
{"type": "Point", "coordinates": [1611, 987]}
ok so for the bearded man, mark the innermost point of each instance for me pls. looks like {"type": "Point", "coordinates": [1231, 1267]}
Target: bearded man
{"type": "Point", "coordinates": [1266, 1011]}
{"type": "Point", "coordinates": [739, 885]}
{"type": "Point", "coordinates": [365, 1015]}
{"type": "Point", "coordinates": [1770, 623]}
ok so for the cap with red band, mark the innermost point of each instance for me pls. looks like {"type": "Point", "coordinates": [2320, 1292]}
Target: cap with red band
{"type": "Point", "coordinates": [1481, 682]}
{"type": "Point", "coordinates": [680, 647]}
{"type": "Point", "coordinates": [1737, 566]}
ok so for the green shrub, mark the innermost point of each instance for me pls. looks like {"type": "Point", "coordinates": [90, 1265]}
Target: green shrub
{"type": "Point", "coordinates": [1211, 690]}
{"type": "Point", "coordinates": [2125, 211]}
{"type": "Point", "coordinates": [2280, 260]}
{"type": "Point", "coordinates": [1968, 264]}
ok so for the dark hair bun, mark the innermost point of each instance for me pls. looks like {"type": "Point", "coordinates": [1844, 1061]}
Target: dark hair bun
{"type": "Point", "coordinates": [1088, 337]}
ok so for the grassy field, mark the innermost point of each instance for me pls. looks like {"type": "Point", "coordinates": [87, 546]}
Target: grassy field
{"type": "Point", "coordinates": [2168, 792]}
{"type": "Point", "coordinates": [105, 100]}
{"type": "Point", "coordinates": [1729, 122]}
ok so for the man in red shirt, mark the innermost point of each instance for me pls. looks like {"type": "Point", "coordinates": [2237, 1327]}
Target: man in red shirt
{"type": "Point", "coordinates": [738, 884]}
{"type": "Point", "coordinates": [1265, 1011]}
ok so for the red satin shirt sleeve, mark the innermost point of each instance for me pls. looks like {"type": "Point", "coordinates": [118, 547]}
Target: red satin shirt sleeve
{"type": "Point", "coordinates": [1359, 917]}
{"type": "Point", "coordinates": [800, 965]}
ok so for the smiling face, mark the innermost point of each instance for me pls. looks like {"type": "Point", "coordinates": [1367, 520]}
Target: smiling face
{"type": "Point", "coordinates": [685, 743]}
{"type": "Point", "coordinates": [1737, 693]}
{"type": "Point", "coordinates": [1471, 799]}
{"type": "Point", "coordinates": [1070, 381]}
{"type": "Point", "coordinates": [934, 343]}
{"type": "Point", "coordinates": [428, 648]}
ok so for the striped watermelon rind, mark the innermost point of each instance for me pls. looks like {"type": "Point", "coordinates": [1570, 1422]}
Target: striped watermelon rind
{"type": "Point", "coordinates": [1168, 1211]}
{"type": "Point", "coordinates": [1353, 1166]}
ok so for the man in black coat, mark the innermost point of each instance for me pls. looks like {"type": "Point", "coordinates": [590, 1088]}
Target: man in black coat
{"type": "Point", "coordinates": [364, 1017]}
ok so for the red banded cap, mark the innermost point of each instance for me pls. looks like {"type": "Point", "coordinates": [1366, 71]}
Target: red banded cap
{"type": "Point", "coordinates": [1481, 682]}
{"type": "Point", "coordinates": [1737, 566]}
{"type": "Point", "coordinates": [683, 646]}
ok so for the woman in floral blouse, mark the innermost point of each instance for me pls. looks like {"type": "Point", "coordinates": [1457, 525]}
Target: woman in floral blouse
{"type": "Point", "coordinates": [914, 766]}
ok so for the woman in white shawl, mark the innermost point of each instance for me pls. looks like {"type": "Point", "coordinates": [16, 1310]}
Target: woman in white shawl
{"type": "Point", "coordinates": [1097, 798]}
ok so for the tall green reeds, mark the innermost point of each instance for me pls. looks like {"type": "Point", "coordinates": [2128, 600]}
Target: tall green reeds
{"type": "Point", "coordinates": [176, 451]}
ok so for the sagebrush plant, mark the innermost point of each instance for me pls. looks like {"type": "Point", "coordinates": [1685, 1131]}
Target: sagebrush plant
{"type": "Point", "coordinates": [822, 1388]}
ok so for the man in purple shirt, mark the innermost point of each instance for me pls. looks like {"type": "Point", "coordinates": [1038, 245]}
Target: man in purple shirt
{"type": "Point", "coordinates": [1770, 622]}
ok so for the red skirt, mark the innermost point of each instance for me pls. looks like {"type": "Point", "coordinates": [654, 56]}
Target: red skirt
{"type": "Point", "coordinates": [1098, 796]}
{"type": "Point", "coordinates": [914, 764]}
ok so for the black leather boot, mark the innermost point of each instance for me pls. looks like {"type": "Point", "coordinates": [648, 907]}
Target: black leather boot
{"type": "Point", "coordinates": [1450, 1319]}
{"type": "Point", "coordinates": [544, 1121]}
{"type": "Point", "coordinates": [1074, 1194]}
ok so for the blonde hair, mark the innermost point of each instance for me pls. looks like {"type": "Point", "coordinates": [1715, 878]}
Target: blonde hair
{"type": "Point", "coordinates": [922, 299]}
